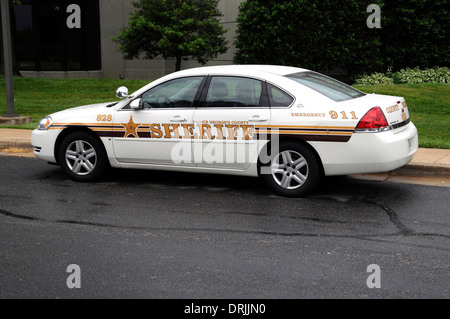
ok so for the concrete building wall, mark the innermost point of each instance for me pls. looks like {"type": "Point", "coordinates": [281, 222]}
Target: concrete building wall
{"type": "Point", "coordinates": [114, 14]}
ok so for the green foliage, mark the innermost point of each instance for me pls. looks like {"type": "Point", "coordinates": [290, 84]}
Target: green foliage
{"type": "Point", "coordinates": [375, 79]}
{"type": "Point", "coordinates": [174, 29]}
{"type": "Point", "coordinates": [416, 33]}
{"type": "Point", "coordinates": [312, 34]}
{"type": "Point", "coordinates": [321, 35]}
{"type": "Point", "coordinates": [409, 76]}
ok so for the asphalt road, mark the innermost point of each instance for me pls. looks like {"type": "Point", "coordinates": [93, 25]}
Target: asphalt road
{"type": "Point", "coordinates": [141, 234]}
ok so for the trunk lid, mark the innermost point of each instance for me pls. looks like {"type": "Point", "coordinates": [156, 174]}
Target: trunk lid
{"type": "Point", "coordinates": [394, 108]}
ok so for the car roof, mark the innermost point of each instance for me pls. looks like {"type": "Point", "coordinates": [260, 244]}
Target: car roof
{"type": "Point", "coordinates": [245, 69]}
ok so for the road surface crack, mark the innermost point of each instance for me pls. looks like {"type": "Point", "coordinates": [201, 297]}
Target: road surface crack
{"type": "Point", "coordinates": [393, 217]}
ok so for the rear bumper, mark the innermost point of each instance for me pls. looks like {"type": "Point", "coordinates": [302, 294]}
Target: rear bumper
{"type": "Point", "coordinates": [369, 152]}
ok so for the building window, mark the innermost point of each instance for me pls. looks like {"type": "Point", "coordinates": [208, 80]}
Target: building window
{"type": "Point", "coordinates": [44, 42]}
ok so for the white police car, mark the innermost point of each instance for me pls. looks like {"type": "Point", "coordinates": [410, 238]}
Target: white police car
{"type": "Point", "coordinates": [287, 125]}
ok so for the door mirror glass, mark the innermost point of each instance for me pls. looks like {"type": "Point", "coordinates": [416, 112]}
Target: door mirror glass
{"type": "Point", "coordinates": [122, 92]}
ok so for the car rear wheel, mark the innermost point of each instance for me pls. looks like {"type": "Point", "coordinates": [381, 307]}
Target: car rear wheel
{"type": "Point", "coordinates": [293, 170]}
{"type": "Point", "coordinates": [82, 157]}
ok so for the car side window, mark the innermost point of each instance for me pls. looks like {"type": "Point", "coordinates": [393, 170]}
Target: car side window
{"type": "Point", "coordinates": [234, 92]}
{"type": "Point", "coordinates": [278, 98]}
{"type": "Point", "coordinates": [179, 93]}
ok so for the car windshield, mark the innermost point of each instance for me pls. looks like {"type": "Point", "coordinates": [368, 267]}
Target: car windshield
{"type": "Point", "coordinates": [327, 86]}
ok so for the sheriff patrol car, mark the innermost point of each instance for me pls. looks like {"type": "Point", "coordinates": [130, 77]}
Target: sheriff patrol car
{"type": "Point", "coordinates": [290, 126]}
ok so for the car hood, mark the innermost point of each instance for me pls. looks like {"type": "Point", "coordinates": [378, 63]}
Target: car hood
{"type": "Point", "coordinates": [83, 113]}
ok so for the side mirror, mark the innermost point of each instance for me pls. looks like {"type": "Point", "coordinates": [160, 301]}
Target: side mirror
{"type": "Point", "coordinates": [122, 92]}
{"type": "Point", "coordinates": [136, 104]}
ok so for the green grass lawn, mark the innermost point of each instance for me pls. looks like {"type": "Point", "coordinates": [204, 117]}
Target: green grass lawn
{"type": "Point", "coordinates": [40, 97]}
{"type": "Point", "coordinates": [429, 104]}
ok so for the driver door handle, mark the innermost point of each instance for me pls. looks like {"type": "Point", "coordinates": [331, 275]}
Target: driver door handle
{"type": "Point", "coordinates": [257, 118]}
{"type": "Point", "coordinates": [178, 119]}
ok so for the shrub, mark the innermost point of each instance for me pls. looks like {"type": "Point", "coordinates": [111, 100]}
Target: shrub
{"type": "Point", "coordinates": [412, 76]}
{"type": "Point", "coordinates": [408, 75]}
{"type": "Point", "coordinates": [375, 79]}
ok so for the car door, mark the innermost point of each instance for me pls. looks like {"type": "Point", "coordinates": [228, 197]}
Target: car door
{"type": "Point", "coordinates": [227, 119]}
{"type": "Point", "coordinates": [151, 133]}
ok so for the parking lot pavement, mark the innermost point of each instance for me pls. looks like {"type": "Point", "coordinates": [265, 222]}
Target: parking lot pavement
{"type": "Point", "coordinates": [170, 235]}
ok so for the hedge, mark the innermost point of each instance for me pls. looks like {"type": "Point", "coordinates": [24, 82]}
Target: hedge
{"type": "Point", "coordinates": [328, 34]}
{"type": "Point", "coordinates": [408, 75]}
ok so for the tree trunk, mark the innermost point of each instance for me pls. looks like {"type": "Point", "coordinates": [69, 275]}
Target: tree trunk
{"type": "Point", "coordinates": [2, 62]}
{"type": "Point", "coordinates": [178, 64]}
{"type": "Point", "coordinates": [2, 56]}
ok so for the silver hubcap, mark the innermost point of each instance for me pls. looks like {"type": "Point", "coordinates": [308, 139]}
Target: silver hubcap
{"type": "Point", "coordinates": [290, 170]}
{"type": "Point", "coordinates": [81, 157]}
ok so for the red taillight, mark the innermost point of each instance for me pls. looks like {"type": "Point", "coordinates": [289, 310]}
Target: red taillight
{"type": "Point", "coordinates": [374, 120]}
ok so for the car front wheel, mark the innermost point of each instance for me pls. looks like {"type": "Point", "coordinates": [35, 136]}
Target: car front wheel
{"type": "Point", "coordinates": [82, 157]}
{"type": "Point", "coordinates": [293, 170]}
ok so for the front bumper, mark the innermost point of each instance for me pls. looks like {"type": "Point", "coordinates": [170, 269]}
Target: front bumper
{"type": "Point", "coordinates": [43, 143]}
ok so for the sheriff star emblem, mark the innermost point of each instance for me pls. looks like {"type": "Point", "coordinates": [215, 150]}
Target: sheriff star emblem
{"type": "Point", "coordinates": [131, 128]}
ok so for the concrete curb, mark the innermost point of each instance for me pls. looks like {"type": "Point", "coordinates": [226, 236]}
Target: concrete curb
{"type": "Point", "coordinates": [18, 120]}
{"type": "Point", "coordinates": [16, 143]}
{"type": "Point", "coordinates": [11, 138]}
{"type": "Point", "coordinates": [423, 169]}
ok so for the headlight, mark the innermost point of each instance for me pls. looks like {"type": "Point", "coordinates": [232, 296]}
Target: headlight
{"type": "Point", "coordinates": [45, 123]}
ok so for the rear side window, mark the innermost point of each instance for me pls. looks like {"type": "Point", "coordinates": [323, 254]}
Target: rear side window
{"type": "Point", "coordinates": [278, 98]}
{"type": "Point", "coordinates": [327, 86]}
{"type": "Point", "coordinates": [234, 92]}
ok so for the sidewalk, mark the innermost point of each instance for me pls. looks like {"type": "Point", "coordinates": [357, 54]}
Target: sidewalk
{"type": "Point", "coordinates": [15, 139]}
{"type": "Point", "coordinates": [428, 163]}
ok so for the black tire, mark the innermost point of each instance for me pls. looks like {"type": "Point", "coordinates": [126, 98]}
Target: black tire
{"type": "Point", "coordinates": [82, 157]}
{"type": "Point", "coordinates": [293, 171]}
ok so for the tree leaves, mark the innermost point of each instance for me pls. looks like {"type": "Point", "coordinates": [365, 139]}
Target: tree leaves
{"type": "Point", "coordinates": [326, 34]}
{"type": "Point", "coordinates": [179, 29]}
